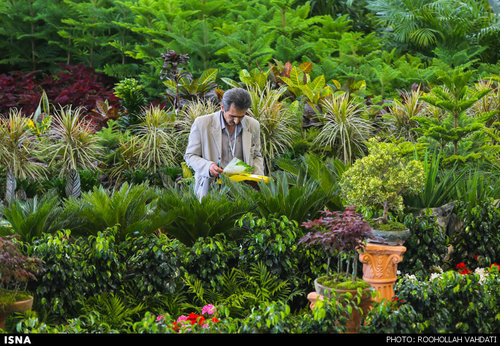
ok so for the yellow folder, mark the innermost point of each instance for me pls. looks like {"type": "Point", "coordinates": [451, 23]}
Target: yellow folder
{"type": "Point", "coordinates": [247, 177]}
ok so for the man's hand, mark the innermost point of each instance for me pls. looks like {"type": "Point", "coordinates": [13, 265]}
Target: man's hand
{"type": "Point", "coordinates": [215, 170]}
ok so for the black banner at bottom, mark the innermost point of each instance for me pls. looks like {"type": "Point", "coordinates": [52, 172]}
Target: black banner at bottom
{"type": "Point", "coordinates": [140, 339]}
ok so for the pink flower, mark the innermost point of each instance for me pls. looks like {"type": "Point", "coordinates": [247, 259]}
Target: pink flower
{"type": "Point", "coordinates": [182, 318]}
{"type": "Point", "coordinates": [209, 309]}
{"type": "Point", "coordinates": [160, 318]}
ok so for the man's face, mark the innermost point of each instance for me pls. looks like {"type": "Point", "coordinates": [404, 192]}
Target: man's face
{"type": "Point", "coordinates": [233, 116]}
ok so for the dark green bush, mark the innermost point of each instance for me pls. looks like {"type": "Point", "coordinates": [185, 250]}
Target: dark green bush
{"type": "Point", "coordinates": [274, 241]}
{"type": "Point", "coordinates": [64, 279]}
{"type": "Point", "coordinates": [477, 241]}
{"type": "Point", "coordinates": [153, 264]}
{"type": "Point", "coordinates": [450, 302]}
{"type": "Point", "coordinates": [75, 268]}
{"type": "Point", "coordinates": [427, 246]}
{"type": "Point", "coordinates": [277, 317]}
{"type": "Point", "coordinates": [209, 258]}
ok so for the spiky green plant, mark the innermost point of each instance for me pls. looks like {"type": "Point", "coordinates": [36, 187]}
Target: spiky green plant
{"type": "Point", "coordinates": [298, 201]}
{"type": "Point", "coordinates": [71, 145]}
{"type": "Point", "coordinates": [439, 185]}
{"type": "Point", "coordinates": [327, 171]}
{"type": "Point", "coordinates": [18, 150]}
{"type": "Point", "coordinates": [278, 121]}
{"type": "Point", "coordinates": [186, 116]}
{"type": "Point", "coordinates": [490, 102]}
{"type": "Point", "coordinates": [401, 113]}
{"type": "Point", "coordinates": [344, 129]}
{"type": "Point", "coordinates": [157, 140]}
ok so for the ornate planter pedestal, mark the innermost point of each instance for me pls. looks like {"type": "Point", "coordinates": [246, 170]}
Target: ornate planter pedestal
{"type": "Point", "coordinates": [380, 264]}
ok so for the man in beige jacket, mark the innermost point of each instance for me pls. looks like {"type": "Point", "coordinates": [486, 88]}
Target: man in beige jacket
{"type": "Point", "coordinates": [218, 137]}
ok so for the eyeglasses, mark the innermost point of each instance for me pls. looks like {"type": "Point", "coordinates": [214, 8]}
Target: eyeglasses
{"type": "Point", "coordinates": [229, 113]}
{"type": "Point", "coordinates": [236, 117]}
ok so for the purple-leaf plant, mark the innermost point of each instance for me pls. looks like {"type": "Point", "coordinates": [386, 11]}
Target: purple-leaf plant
{"type": "Point", "coordinates": [338, 233]}
{"type": "Point", "coordinates": [16, 269]}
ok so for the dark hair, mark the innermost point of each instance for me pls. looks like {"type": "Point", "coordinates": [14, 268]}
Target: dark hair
{"type": "Point", "coordinates": [238, 97]}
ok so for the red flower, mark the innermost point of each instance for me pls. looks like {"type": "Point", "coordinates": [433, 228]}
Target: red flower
{"type": "Point", "coordinates": [175, 326]}
{"type": "Point", "coordinates": [396, 302]}
{"type": "Point", "coordinates": [192, 318]}
{"type": "Point", "coordinates": [461, 265]}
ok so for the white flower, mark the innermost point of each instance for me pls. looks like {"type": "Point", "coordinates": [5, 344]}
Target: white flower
{"type": "Point", "coordinates": [482, 274]}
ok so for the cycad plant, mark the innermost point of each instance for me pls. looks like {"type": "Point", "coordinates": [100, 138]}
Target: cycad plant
{"type": "Point", "coordinates": [327, 171]}
{"type": "Point", "coordinates": [32, 218]}
{"type": "Point", "coordinates": [279, 122]}
{"type": "Point", "coordinates": [186, 218]}
{"type": "Point", "coordinates": [344, 129]}
{"type": "Point", "coordinates": [439, 186]}
{"type": "Point", "coordinates": [129, 208]}
{"type": "Point", "coordinates": [298, 198]}
{"type": "Point", "coordinates": [71, 146]}
{"type": "Point", "coordinates": [18, 151]}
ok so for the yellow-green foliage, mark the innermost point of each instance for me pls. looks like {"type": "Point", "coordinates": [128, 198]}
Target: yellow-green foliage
{"type": "Point", "coordinates": [380, 178]}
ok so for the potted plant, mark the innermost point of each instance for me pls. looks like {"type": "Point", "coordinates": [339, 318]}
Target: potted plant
{"type": "Point", "coordinates": [378, 181]}
{"type": "Point", "coordinates": [341, 234]}
{"type": "Point", "coordinates": [16, 270]}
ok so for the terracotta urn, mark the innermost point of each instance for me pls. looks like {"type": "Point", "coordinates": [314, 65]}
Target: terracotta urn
{"type": "Point", "coordinates": [354, 320]}
{"type": "Point", "coordinates": [19, 306]}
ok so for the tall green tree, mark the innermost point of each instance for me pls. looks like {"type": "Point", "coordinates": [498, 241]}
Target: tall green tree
{"type": "Point", "coordinates": [26, 34]}
{"type": "Point", "coordinates": [454, 97]}
{"type": "Point", "coordinates": [89, 30]}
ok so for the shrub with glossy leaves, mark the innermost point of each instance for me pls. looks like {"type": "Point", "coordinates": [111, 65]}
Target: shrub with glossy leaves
{"type": "Point", "coordinates": [450, 302]}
